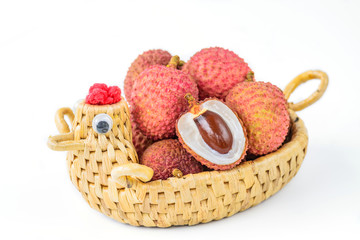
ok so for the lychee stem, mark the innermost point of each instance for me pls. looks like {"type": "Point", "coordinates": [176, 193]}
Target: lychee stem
{"type": "Point", "coordinates": [191, 100]}
{"type": "Point", "coordinates": [249, 76]}
{"type": "Point", "coordinates": [174, 62]}
{"type": "Point", "coordinates": [194, 106]}
{"type": "Point", "coordinates": [177, 173]}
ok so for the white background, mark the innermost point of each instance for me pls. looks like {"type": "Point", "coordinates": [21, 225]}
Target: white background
{"type": "Point", "coordinates": [52, 51]}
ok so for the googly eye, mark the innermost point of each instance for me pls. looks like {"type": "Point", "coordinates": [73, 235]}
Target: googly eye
{"type": "Point", "coordinates": [77, 104]}
{"type": "Point", "coordinates": [102, 123]}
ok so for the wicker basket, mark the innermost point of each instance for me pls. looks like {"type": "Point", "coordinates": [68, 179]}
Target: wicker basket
{"type": "Point", "coordinates": [105, 169]}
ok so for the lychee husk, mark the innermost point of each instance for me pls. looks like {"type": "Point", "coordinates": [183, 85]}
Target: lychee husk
{"type": "Point", "coordinates": [140, 141]}
{"type": "Point", "coordinates": [195, 109]}
{"type": "Point", "coordinates": [263, 109]}
{"type": "Point", "coordinates": [158, 99]}
{"type": "Point", "coordinates": [142, 62]}
{"type": "Point", "coordinates": [169, 159]}
{"type": "Point", "coordinates": [216, 70]}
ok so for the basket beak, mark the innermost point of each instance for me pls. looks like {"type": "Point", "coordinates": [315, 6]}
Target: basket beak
{"type": "Point", "coordinates": [65, 142]}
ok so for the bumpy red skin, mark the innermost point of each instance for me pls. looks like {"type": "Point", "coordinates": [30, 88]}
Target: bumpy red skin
{"type": "Point", "coordinates": [143, 61]}
{"type": "Point", "coordinates": [263, 109]}
{"type": "Point", "coordinates": [158, 100]}
{"type": "Point", "coordinates": [140, 141]}
{"type": "Point", "coordinates": [206, 162]}
{"type": "Point", "coordinates": [166, 155]}
{"type": "Point", "coordinates": [216, 71]}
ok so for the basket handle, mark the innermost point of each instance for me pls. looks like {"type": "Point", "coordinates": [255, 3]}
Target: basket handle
{"type": "Point", "coordinates": [60, 122]}
{"type": "Point", "coordinates": [126, 173]}
{"type": "Point", "coordinates": [302, 78]}
{"type": "Point", "coordinates": [65, 142]}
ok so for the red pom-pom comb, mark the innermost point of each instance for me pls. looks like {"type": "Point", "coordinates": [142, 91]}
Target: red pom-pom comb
{"type": "Point", "coordinates": [101, 94]}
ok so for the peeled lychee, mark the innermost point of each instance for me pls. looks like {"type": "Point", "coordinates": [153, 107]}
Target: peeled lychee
{"type": "Point", "coordinates": [213, 134]}
{"type": "Point", "coordinates": [158, 99]}
{"type": "Point", "coordinates": [140, 141]}
{"type": "Point", "coordinates": [263, 109]}
{"type": "Point", "coordinates": [143, 61]}
{"type": "Point", "coordinates": [168, 158]}
{"type": "Point", "coordinates": [216, 70]}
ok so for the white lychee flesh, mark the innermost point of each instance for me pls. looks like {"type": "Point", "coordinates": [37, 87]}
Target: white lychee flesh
{"type": "Point", "coordinates": [193, 139]}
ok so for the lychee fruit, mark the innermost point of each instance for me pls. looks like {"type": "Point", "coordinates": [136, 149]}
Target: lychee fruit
{"type": "Point", "coordinates": [263, 109]}
{"type": "Point", "coordinates": [212, 133]}
{"type": "Point", "coordinates": [158, 99]}
{"type": "Point", "coordinates": [140, 141]}
{"type": "Point", "coordinates": [142, 62]}
{"type": "Point", "coordinates": [216, 70]}
{"type": "Point", "coordinates": [168, 158]}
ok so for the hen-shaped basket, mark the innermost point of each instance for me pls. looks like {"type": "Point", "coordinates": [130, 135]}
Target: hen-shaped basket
{"type": "Point", "coordinates": [105, 169]}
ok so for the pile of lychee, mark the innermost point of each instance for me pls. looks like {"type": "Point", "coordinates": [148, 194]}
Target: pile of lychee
{"type": "Point", "coordinates": [205, 114]}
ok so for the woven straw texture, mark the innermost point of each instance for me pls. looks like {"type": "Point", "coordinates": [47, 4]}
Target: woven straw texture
{"type": "Point", "coordinates": [189, 200]}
